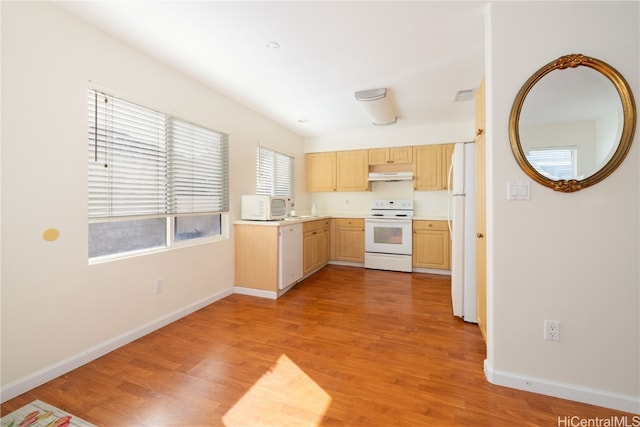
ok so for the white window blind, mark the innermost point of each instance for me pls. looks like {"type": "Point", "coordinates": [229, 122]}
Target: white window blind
{"type": "Point", "coordinates": [197, 165]}
{"type": "Point", "coordinates": [275, 173]}
{"type": "Point", "coordinates": [143, 163]}
{"type": "Point", "coordinates": [556, 163]}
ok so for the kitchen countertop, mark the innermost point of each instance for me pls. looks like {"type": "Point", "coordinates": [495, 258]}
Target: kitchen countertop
{"type": "Point", "coordinates": [430, 218]}
{"type": "Point", "coordinates": [305, 218]}
{"type": "Point", "coordinates": [293, 220]}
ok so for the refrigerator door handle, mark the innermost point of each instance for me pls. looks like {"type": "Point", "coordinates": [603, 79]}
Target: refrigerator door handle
{"type": "Point", "coordinates": [449, 219]}
{"type": "Point", "coordinates": [450, 177]}
{"type": "Point", "coordinates": [450, 191]}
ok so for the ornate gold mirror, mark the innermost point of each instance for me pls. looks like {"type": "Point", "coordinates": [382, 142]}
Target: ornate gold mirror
{"type": "Point", "coordinates": [572, 123]}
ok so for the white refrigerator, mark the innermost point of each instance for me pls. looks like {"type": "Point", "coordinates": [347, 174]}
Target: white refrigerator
{"type": "Point", "coordinates": [462, 226]}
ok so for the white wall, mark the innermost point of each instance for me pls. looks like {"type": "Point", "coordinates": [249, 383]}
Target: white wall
{"type": "Point", "coordinates": [56, 309]}
{"type": "Point", "coordinates": [567, 257]}
{"type": "Point", "coordinates": [389, 136]}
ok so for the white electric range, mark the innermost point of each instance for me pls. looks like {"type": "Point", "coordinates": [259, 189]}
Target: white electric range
{"type": "Point", "coordinates": [388, 235]}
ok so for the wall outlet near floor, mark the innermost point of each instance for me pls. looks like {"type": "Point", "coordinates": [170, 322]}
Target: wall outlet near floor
{"type": "Point", "coordinates": [158, 286]}
{"type": "Point", "coordinates": [552, 330]}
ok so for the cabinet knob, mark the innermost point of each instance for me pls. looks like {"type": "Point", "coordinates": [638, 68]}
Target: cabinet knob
{"type": "Point", "coordinates": [479, 132]}
{"type": "Point", "coordinates": [479, 235]}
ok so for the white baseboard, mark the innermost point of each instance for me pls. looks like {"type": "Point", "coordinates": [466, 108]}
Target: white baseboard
{"type": "Point", "coordinates": [347, 263]}
{"type": "Point", "coordinates": [606, 399]}
{"type": "Point", "coordinates": [40, 377]}
{"type": "Point", "coordinates": [255, 292]}
{"type": "Point", "coordinates": [432, 271]}
{"type": "Point", "coordinates": [414, 269]}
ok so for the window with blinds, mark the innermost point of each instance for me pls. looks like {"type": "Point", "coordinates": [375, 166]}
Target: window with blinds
{"type": "Point", "coordinates": [151, 175]}
{"type": "Point", "coordinates": [275, 173]}
{"type": "Point", "coordinates": [555, 163]}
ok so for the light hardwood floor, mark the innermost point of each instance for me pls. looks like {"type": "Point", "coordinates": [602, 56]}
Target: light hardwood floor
{"type": "Point", "coordinates": [346, 347]}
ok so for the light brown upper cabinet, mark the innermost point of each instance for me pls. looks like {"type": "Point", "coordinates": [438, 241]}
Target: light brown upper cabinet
{"type": "Point", "coordinates": [321, 171]}
{"type": "Point", "coordinates": [395, 155]}
{"type": "Point", "coordinates": [352, 170]}
{"type": "Point", "coordinates": [428, 168]}
{"type": "Point", "coordinates": [447, 152]}
{"type": "Point", "coordinates": [349, 170]}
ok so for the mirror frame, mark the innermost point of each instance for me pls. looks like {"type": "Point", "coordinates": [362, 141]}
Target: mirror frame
{"type": "Point", "coordinates": [628, 129]}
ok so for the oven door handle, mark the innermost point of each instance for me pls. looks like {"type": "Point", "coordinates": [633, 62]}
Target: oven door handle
{"type": "Point", "coordinates": [387, 221]}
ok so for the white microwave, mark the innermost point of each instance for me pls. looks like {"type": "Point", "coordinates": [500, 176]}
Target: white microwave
{"type": "Point", "coordinates": [265, 208]}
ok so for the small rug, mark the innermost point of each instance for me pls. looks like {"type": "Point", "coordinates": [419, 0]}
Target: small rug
{"type": "Point", "coordinates": [40, 414]}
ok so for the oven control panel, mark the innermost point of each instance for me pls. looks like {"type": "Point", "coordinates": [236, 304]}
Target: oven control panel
{"type": "Point", "coordinates": [400, 205]}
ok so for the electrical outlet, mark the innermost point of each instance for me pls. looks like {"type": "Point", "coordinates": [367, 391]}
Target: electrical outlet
{"type": "Point", "coordinates": [158, 286]}
{"type": "Point", "coordinates": [552, 330]}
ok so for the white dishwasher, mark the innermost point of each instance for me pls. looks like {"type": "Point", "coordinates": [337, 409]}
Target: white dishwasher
{"type": "Point", "coordinates": [290, 254]}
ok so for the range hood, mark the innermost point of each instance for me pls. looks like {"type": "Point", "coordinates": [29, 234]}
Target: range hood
{"type": "Point", "coordinates": [390, 176]}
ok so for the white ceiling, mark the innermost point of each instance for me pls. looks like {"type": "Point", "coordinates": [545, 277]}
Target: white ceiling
{"type": "Point", "coordinates": [422, 51]}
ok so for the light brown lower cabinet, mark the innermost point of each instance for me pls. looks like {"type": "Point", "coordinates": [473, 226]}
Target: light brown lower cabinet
{"type": "Point", "coordinates": [348, 240]}
{"type": "Point", "coordinates": [256, 248]}
{"type": "Point", "coordinates": [431, 245]}
{"type": "Point", "coordinates": [315, 245]}
{"type": "Point", "coordinates": [256, 253]}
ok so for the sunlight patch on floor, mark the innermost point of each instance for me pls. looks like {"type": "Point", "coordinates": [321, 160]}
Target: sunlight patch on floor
{"type": "Point", "coordinates": [283, 396]}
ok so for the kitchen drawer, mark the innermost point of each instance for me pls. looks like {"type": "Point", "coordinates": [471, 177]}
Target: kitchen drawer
{"type": "Point", "coordinates": [315, 225]}
{"type": "Point", "coordinates": [430, 225]}
{"type": "Point", "coordinates": [349, 222]}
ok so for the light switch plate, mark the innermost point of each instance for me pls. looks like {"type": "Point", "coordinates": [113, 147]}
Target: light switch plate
{"type": "Point", "coordinates": [519, 190]}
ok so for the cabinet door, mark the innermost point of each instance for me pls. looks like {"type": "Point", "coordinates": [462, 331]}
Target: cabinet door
{"type": "Point", "coordinates": [352, 170]}
{"type": "Point", "coordinates": [481, 244]}
{"type": "Point", "coordinates": [321, 171]}
{"type": "Point", "coordinates": [479, 100]}
{"type": "Point", "coordinates": [427, 167]}
{"type": "Point", "coordinates": [431, 249]}
{"type": "Point", "coordinates": [395, 155]}
{"type": "Point", "coordinates": [322, 247]}
{"type": "Point", "coordinates": [378, 156]}
{"type": "Point", "coordinates": [315, 245]}
{"type": "Point", "coordinates": [447, 152]}
{"type": "Point", "coordinates": [431, 245]}
{"type": "Point", "coordinates": [401, 155]}
{"type": "Point", "coordinates": [349, 244]}
{"type": "Point", "coordinates": [308, 252]}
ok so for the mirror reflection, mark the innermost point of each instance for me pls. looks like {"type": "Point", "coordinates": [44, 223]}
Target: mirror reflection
{"type": "Point", "coordinates": [570, 123]}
